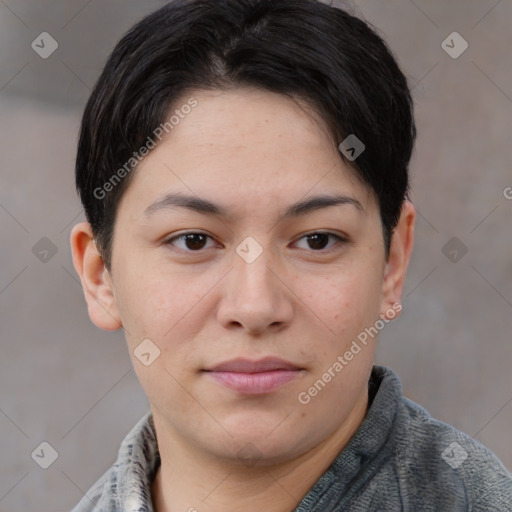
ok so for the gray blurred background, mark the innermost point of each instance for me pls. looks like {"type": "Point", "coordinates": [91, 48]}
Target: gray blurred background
{"type": "Point", "coordinates": [65, 382]}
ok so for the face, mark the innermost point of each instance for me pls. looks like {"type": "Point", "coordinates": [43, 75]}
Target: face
{"type": "Point", "coordinates": [253, 259]}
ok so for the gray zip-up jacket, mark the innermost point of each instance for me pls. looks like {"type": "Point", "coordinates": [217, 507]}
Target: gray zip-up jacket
{"type": "Point", "coordinates": [400, 459]}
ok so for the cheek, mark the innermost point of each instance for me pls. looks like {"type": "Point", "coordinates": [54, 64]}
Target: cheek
{"type": "Point", "coordinates": [348, 302]}
{"type": "Point", "coordinates": [156, 308]}
{"type": "Point", "coordinates": [164, 307]}
{"type": "Point", "coordinates": [144, 300]}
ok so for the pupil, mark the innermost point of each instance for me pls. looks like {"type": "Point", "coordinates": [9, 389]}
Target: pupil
{"type": "Point", "coordinates": [192, 241]}
{"type": "Point", "coordinates": [315, 238]}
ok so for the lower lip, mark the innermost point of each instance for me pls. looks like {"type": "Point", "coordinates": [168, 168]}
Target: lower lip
{"type": "Point", "coordinates": [255, 383]}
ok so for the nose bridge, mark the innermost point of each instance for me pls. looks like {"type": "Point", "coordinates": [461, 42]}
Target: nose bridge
{"type": "Point", "coordinates": [253, 267]}
{"type": "Point", "coordinates": [254, 296]}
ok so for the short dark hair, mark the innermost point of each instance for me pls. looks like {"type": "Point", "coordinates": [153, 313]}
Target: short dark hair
{"type": "Point", "coordinates": [304, 49]}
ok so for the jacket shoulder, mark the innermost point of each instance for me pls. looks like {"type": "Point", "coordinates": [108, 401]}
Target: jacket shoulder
{"type": "Point", "coordinates": [434, 458]}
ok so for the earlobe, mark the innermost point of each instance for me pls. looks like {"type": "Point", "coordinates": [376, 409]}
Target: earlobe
{"type": "Point", "coordinates": [402, 243]}
{"type": "Point", "coordinates": [95, 278]}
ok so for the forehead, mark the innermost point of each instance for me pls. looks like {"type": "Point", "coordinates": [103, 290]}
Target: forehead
{"type": "Point", "coordinates": [245, 144]}
{"type": "Point", "coordinates": [248, 118]}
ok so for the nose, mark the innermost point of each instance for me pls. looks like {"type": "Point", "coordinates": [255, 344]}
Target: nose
{"type": "Point", "coordinates": [255, 296]}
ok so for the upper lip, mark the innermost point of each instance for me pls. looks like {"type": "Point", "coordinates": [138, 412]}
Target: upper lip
{"type": "Point", "coordinates": [242, 365]}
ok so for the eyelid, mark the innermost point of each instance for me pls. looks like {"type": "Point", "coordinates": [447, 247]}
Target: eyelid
{"type": "Point", "coordinates": [323, 232]}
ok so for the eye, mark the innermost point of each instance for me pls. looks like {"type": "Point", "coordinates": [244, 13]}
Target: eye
{"type": "Point", "coordinates": [196, 241]}
{"type": "Point", "coordinates": [319, 239]}
{"type": "Point", "coordinates": [190, 242]}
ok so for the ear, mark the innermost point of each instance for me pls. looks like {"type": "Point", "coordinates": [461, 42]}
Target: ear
{"type": "Point", "coordinates": [402, 242]}
{"type": "Point", "coordinates": [96, 281]}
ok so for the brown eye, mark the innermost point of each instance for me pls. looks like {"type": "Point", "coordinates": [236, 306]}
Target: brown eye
{"type": "Point", "coordinates": [319, 241]}
{"type": "Point", "coordinates": [189, 242]}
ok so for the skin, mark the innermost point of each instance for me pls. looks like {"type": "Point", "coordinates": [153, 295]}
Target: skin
{"type": "Point", "coordinates": [254, 153]}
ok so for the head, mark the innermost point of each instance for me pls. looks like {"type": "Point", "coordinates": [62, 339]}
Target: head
{"type": "Point", "coordinates": [226, 218]}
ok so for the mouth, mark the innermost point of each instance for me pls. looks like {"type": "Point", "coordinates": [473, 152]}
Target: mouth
{"type": "Point", "coordinates": [254, 377]}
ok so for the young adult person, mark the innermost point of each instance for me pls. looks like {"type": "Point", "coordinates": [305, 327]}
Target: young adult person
{"type": "Point", "coordinates": [243, 165]}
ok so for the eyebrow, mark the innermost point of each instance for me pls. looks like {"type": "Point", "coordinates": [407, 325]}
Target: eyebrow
{"type": "Point", "coordinates": [205, 207]}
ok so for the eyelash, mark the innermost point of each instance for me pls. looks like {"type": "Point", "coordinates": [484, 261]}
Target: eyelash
{"type": "Point", "coordinates": [339, 240]}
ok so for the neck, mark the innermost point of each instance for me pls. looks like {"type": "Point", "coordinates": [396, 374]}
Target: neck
{"type": "Point", "coordinates": [190, 481]}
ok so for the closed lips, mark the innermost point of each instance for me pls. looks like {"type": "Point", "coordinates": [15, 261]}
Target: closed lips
{"type": "Point", "coordinates": [248, 366]}
{"type": "Point", "coordinates": [254, 377]}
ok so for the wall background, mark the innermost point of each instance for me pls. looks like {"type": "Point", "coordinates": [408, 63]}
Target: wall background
{"type": "Point", "coordinates": [64, 381]}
